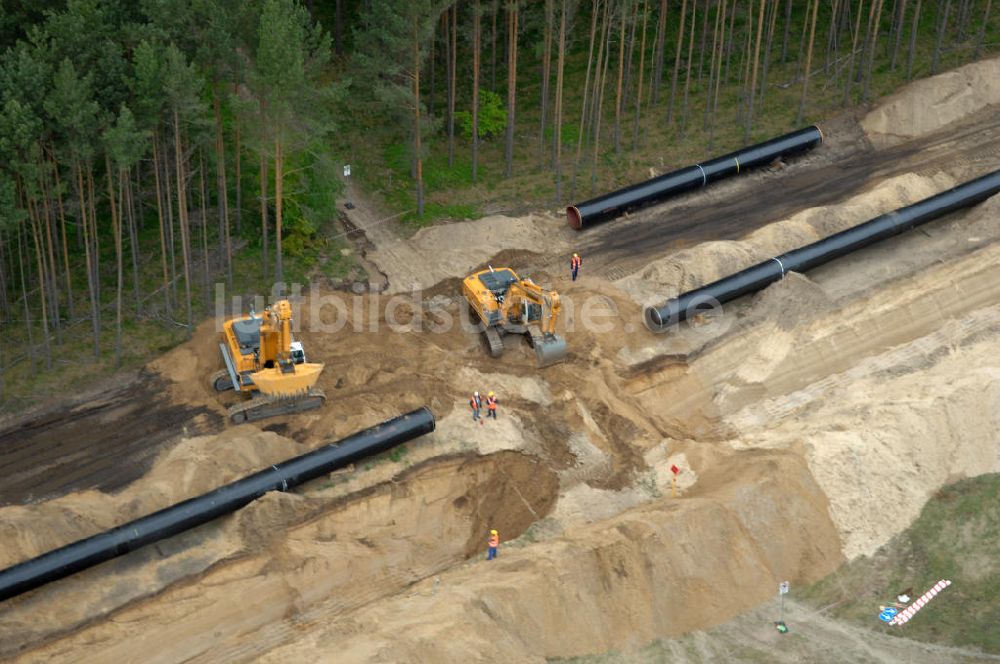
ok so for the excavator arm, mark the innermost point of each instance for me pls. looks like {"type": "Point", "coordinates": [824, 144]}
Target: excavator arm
{"type": "Point", "coordinates": [528, 291]}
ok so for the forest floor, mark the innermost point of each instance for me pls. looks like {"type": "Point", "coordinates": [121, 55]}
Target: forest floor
{"type": "Point", "coordinates": [810, 425]}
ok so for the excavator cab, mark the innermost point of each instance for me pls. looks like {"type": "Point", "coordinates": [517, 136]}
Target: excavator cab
{"type": "Point", "coordinates": [507, 304]}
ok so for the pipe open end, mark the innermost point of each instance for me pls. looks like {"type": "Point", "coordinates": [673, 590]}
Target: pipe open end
{"type": "Point", "coordinates": [651, 317]}
{"type": "Point", "coordinates": [821, 136]}
{"type": "Point", "coordinates": [574, 217]}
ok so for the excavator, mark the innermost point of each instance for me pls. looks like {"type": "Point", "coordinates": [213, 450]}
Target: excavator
{"type": "Point", "coordinates": [506, 304]}
{"type": "Point", "coordinates": [267, 365]}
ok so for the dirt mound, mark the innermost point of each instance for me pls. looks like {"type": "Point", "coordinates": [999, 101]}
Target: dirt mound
{"type": "Point", "coordinates": [192, 467]}
{"type": "Point", "coordinates": [930, 104]}
{"type": "Point", "coordinates": [309, 550]}
{"type": "Point", "coordinates": [691, 268]}
{"type": "Point", "coordinates": [658, 569]}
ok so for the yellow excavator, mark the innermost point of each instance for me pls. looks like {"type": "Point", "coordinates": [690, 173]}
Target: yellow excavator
{"type": "Point", "coordinates": [266, 364]}
{"type": "Point", "coordinates": [506, 304]}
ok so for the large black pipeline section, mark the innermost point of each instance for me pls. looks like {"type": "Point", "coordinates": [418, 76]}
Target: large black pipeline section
{"type": "Point", "coordinates": [185, 515]}
{"type": "Point", "coordinates": [618, 202]}
{"type": "Point", "coordinates": [812, 255]}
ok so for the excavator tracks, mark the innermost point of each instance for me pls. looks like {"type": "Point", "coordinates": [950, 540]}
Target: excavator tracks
{"type": "Point", "coordinates": [221, 381]}
{"type": "Point", "coordinates": [264, 406]}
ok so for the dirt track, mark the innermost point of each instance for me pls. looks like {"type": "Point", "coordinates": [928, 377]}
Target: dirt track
{"type": "Point", "coordinates": [844, 165]}
{"type": "Point", "coordinates": [832, 403]}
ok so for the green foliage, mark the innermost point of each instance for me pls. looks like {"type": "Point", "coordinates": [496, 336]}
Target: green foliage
{"type": "Point", "coordinates": [954, 538]}
{"type": "Point", "coordinates": [492, 116]}
{"type": "Point", "coordinates": [125, 143]}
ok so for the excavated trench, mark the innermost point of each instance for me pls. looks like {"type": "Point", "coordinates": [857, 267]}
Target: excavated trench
{"type": "Point", "coordinates": [306, 547]}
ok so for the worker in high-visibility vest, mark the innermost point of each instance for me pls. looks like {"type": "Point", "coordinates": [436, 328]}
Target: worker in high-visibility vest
{"type": "Point", "coordinates": [476, 403]}
{"type": "Point", "coordinates": [491, 405]}
{"type": "Point", "coordinates": [494, 543]}
{"type": "Point", "coordinates": [574, 265]}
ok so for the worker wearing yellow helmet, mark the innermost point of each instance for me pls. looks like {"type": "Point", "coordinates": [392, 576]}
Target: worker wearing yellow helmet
{"type": "Point", "coordinates": [493, 542]}
{"type": "Point", "coordinates": [491, 405]}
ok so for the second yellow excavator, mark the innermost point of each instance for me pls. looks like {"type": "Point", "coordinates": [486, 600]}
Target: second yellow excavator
{"type": "Point", "coordinates": [263, 361]}
{"type": "Point", "coordinates": [506, 304]}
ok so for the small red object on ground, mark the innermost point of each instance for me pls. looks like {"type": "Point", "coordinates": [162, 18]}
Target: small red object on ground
{"type": "Point", "coordinates": [675, 469]}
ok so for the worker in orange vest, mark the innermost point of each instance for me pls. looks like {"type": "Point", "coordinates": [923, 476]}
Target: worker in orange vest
{"type": "Point", "coordinates": [494, 543]}
{"type": "Point", "coordinates": [476, 403]}
{"type": "Point", "coordinates": [574, 265]}
{"type": "Point", "coordinates": [491, 405]}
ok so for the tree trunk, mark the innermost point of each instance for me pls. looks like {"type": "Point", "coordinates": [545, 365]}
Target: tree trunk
{"type": "Point", "coordinates": [642, 71]}
{"type": "Point", "coordinates": [899, 35]}
{"type": "Point", "coordinates": [171, 244]}
{"type": "Point", "coordinates": [601, 85]}
{"type": "Point", "coordinates": [87, 247]}
{"type": "Point", "coordinates": [206, 271]}
{"type": "Point", "coordinates": [51, 270]}
{"type": "Point", "coordinates": [133, 236]}
{"type": "Point", "coordinates": [729, 40]}
{"type": "Point", "coordinates": [511, 83]}
{"type": "Point", "coordinates": [24, 298]}
{"type": "Point", "coordinates": [559, 100]}
{"type": "Point", "coordinates": [94, 237]}
{"type": "Point", "coordinates": [787, 33]}
{"type": "Point", "coordinates": [677, 62]}
{"type": "Point", "coordinates": [850, 59]}
{"type": "Point", "coordinates": [265, 240]}
{"type": "Point", "coordinates": [279, 191]}
{"type": "Point", "coordinates": [225, 242]}
{"type": "Point", "coordinates": [182, 219]}
{"type": "Point", "coordinates": [475, 89]}
{"type": "Point", "coordinates": [453, 65]}
{"type": "Point", "coordinates": [594, 6]}
{"type": "Point", "coordinates": [115, 203]}
{"type": "Point", "coordinates": [712, 62]}
{"type": "Point", "coordinates": [36, 232]}
{"type": "Point", "coordinates": [65, 243]}
{"type": "Point", "coordinates": [772, 23]}
{"type": "Point", "coordinates": [866, 89]}
{"type": "Point", "coordinates": [913, 42]}
{"type": "Point", "coordinates": [546, 66]}
{"type": "Point", "coordinates": [718, 74]}
{"type": "Point", "coordinates": [661, 40]}
{"type": "Point", "coordinates": [618, 88]}
{"type": "Point", "coordinates": [238, 175]}
{"type": "Point", "coordinates": [982, 29]}
{"type": "Point", "coordinates": [687, 78]}
{"type": "Point", "coordinates": [942, 29]}
{"type": "Point", "coordinates": [416, 118]}
{"type": "Point", "coordinates": [809, 54]}
{"type": "Point", "coordinates": [752, 90]}
{"type": "Point", "coordinates": [493, 47]}
{"type": "Point", "coordinates": [704, 39]}
{"type": "Point", "coordinates": [163, 233]}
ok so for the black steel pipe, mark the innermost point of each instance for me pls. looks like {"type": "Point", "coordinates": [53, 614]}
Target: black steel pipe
{"type": "Point", "coordinates": [812, 255]}
{"type": "Point", "coordinates": [72, 558]}
{"type": "Point", "coordinates": [615, 203]}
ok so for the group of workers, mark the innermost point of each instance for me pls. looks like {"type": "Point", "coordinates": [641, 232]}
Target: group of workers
{"type": "Point", "coordinates": [476, 403]}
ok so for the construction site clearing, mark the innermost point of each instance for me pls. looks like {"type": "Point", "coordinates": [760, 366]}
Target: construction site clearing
{"type": "Point", "coordinates": [807, 425]}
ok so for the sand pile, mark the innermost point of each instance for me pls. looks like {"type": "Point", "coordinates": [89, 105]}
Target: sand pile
{"type": "Point", "coordinates": [454, 250]}
{"type": "Point", "coordinates": [930, 104]}
{"type": "Point", "coordinates": [707, 262]}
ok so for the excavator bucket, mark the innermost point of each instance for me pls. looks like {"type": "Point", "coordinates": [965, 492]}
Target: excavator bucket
{"type": "Point", "coordinates": [549, 349]}
{"type": "Point", "coordinates": [273, 382]}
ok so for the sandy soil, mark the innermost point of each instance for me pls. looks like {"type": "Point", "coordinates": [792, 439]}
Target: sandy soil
{"type": "Point", "coordinates": [926, 106]}
{"type": "Point", "coordinates": [809, 422]}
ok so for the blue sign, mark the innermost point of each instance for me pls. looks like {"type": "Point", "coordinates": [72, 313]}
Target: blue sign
{"type": "Point", "coordinates": [888, 613]}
